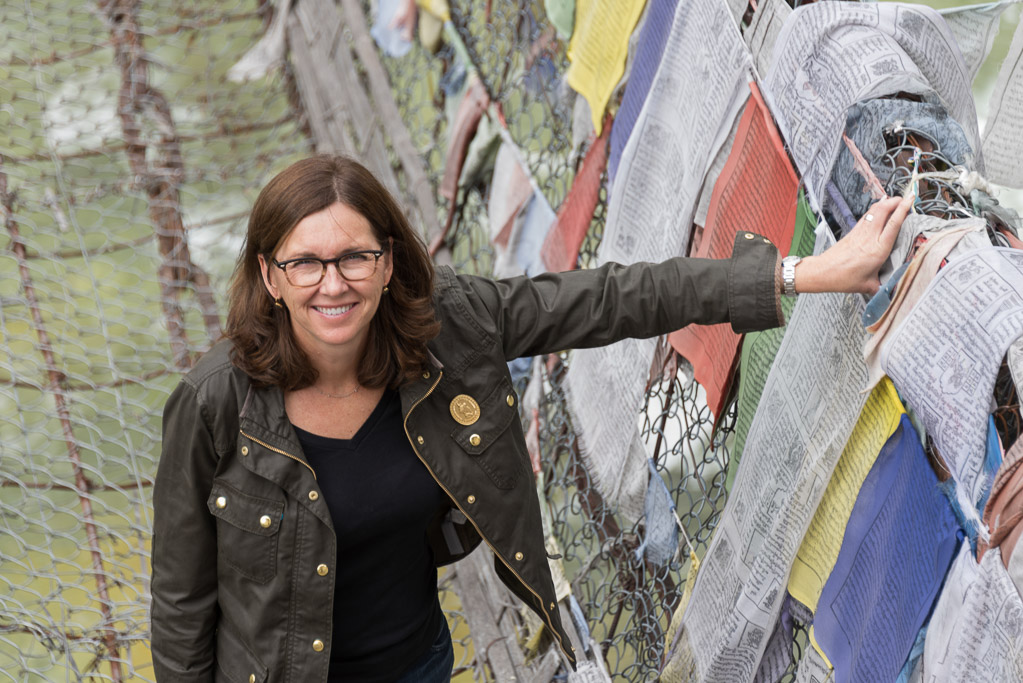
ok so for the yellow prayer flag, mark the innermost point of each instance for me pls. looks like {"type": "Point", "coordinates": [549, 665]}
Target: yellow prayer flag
{"type": "Point", "coordinates": [597, 51]}
{"type": "Point", "coordinates": [819, 551]}
{"type": "Point", "coordinates": [674, 670]}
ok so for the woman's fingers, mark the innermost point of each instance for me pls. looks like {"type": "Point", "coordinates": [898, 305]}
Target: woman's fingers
{"type": "Point", "coordinates": [894, 222]}
{"type": "Point", "coordinates": [884, 219]}
{"type": "Point", "coordinates": [876, 217]}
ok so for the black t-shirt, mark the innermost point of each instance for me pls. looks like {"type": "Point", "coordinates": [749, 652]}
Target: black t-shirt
{"type": "Point", "coordinates": [381, 499]}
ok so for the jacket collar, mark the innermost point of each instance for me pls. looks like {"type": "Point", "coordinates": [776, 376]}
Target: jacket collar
{"type": "Point", "coordinates": [263, 416]}
{"type": "Point", "coordinates": [412, 393]}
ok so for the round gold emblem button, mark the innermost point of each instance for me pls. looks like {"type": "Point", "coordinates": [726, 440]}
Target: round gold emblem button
{"type": "Point", "coordinates": [221, 502]}
{"type": "Point", "coordinates": [322, 570]}
{"type": "Point", "coordinates": [265, 521]}
{"type": "Point", "coordinates": [474, 439]}
{"type": "Point", "coordinates": [464, 409]}
{"type": "Point", "coordinates": [318, 645]}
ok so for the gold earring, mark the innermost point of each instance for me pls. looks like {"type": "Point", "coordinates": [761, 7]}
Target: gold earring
{"type": "Point", "coordinates": [386, 289]}
{"type": "Point", "coordinates": [277, 303]}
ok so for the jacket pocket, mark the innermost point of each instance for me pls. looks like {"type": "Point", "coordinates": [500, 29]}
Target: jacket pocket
{"type": "Point", "coordinates": [235, 661]}
{"type": "Point", "coordinates": [497, 411]}
{"type": "Point", "coordinates": [247, 529]}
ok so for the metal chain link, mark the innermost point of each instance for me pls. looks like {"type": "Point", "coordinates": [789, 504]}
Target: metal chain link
{"type": "Point", "coordinates": [120, 131]}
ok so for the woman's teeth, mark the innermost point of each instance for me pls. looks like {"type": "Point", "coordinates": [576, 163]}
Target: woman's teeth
{"type": "Point", "coordinates": [336, 310]}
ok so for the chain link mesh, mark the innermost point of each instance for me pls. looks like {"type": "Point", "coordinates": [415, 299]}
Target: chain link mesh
{"type": "Point", "coordinates": [627, 602]}
{"type": "Point", "coordinates": [128, 165]}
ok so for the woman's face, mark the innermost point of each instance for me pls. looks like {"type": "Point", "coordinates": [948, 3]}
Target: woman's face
{"type": "Point", "coordinates": [331, 319]}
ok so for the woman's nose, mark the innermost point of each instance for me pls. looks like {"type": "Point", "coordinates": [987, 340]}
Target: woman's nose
{"type": "Point", "coordinates": [332, 280]}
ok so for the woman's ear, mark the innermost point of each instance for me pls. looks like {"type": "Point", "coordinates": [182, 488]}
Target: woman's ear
{"type": "Point", "coordinates": [389, 261]}
{"type": "Point", "coordinates": [264, 268]}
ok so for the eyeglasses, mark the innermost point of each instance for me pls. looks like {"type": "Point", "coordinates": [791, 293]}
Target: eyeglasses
{"type": "Point", "coordinates": [309, 272]}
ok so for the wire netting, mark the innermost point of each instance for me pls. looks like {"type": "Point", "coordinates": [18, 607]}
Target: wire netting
{"type": "Point", "coordinates": [127, 167]}
{"type": "Point", "coordinates": [627, 602]}
{"type": "Point", "coordinates": [128, 162]}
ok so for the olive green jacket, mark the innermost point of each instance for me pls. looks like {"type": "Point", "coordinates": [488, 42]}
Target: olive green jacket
{"type": "Point", "coordinates": [243, 545]}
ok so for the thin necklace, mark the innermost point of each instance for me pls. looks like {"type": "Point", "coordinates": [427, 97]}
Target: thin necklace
{"type": "Point", "coordinates": [329, 395]}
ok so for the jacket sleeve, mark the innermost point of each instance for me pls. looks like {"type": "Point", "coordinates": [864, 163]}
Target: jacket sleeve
{"type": "Point", "coordinates": [587, 308]}
{"type": "Point", "coordinates": [184, 562]}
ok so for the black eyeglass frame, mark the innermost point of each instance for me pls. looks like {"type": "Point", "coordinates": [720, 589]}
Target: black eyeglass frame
{"type": "Point", "coordinates": [377, 253]}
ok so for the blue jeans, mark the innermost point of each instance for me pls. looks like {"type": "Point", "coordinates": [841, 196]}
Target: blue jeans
{"type": "Point", "coordinates": [435, 665]}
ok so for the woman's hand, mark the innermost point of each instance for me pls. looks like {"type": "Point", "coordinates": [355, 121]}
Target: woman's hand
{"type": "Point", "coordinates": [852, 264]}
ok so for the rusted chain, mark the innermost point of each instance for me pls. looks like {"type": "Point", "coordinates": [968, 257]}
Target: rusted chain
{"type": "Point", "coordinates": [161, 182]}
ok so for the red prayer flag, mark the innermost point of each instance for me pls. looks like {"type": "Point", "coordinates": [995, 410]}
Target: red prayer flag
{"type": "Point", "coordinates": [756, 192]}
{"type": "Point", "coordinates": [561, 247]}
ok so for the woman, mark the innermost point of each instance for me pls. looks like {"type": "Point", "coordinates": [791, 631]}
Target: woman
{"type": "Point", "coordinates": [358, 428]}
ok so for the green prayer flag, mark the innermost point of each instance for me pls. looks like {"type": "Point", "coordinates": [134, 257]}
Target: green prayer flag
{"type": "Point", "coordinates": [760, 348]}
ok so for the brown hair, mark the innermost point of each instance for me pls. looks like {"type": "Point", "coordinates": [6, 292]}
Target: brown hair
{"type": "Point", "coordinates": [264, 346]}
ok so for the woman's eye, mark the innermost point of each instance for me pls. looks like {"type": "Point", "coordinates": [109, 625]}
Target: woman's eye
{"type": "Point", "coordinates": [305, 263]}
{"type": "Point", "coordinates": [357, 257]}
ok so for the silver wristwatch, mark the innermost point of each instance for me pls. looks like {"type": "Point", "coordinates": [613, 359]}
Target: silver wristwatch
{"type": "Point", "coordinates": [788, 275]}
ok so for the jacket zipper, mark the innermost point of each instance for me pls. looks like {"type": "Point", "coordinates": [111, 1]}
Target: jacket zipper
{"type": "Point", "coordinates": [467, 516]}
{"type": "Point", "coordinates": [278, 450]}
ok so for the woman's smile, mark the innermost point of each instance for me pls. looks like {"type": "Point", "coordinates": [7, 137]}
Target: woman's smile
{"type": "Point", "coordinates": [334, 311]}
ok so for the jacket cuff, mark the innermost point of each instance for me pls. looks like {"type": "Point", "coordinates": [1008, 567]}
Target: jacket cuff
{"type": "Point", "coordinates": [754, 284]}
{"type": "Point", "coordinates": [779, 290]}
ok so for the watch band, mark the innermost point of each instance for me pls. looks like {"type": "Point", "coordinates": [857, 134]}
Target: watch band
{"type": "Point", "coordinates": [788, 275]}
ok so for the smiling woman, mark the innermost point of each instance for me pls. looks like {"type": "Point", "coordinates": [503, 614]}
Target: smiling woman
{"type": "Point", "coordinates": [357, 429]}
{"type": "Point", "coordinates": [326, 208]}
